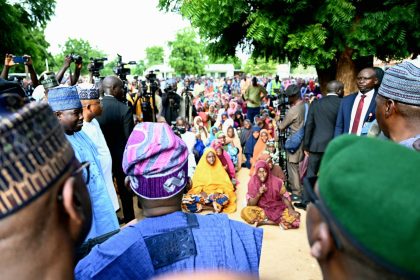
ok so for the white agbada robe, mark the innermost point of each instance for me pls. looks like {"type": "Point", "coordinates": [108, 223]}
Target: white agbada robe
{"type": "Point", "coordinates": [94, 132]}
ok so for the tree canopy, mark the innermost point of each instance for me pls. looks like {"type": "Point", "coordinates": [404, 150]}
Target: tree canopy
{"type": "Point", "coordinates": [154, 55]}
{"type": "Point", "coordinates": [187, 53]}
{"type": "Point", "coordinates": [333, 35]}
{"type": "Point", "coordinates": [22, 28]}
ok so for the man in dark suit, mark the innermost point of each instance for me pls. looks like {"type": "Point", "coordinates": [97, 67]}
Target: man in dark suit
{"type": "Point", "coordinates": [319, 130]}
{"type": "Point", "coordinates": [117, 123]}
{"type": "Point", "coordinates": [357, 110]}
{"type": "Point", "coordinates": [320, 125]}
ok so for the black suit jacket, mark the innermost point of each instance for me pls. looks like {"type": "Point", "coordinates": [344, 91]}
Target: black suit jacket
{"type": "Point", "coordinates": [320, 123]}
{"type": "Point", "coordinates": [116, 123]}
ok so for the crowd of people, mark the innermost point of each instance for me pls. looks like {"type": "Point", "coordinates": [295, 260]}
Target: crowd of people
{"type": "Point", "coordinates": [80, 151]}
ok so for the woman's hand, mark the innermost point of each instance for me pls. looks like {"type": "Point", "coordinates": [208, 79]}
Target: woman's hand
{"type": "Point", "coordinates": [262, 189]}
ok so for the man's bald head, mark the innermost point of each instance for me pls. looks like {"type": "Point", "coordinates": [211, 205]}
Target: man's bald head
{"type": "Point", "coordinates": [114, 86]}
{"type": "Point", "coordinates": [335, 87]}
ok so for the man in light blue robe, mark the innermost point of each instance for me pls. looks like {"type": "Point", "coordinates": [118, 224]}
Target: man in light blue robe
{"type": "Point", "coordinates": [66, 104]}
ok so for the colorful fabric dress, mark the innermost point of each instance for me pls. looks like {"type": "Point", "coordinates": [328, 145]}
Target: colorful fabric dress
{"type": "Point", "coordinates": [207, 183]}
{"type": "Point", "coordinates": [271, 201]}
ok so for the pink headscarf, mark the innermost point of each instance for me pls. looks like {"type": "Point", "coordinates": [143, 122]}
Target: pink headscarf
{"type": "Point", "coordinates": [231, 168]}
{"type": "Point", "coordinates": [233, 107]}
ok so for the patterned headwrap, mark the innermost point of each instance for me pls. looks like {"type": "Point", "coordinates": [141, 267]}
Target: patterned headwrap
{"type": "Point", "coordinates": [34, 154]}
{"type": "Point", "coordinates": [402, 83]}
{"type": "Point", "coordinates": [156, 161]}
{"type": "Point", "coordinates": [87, 91]}
{"type": "Point", "coordinates": [64, 98]}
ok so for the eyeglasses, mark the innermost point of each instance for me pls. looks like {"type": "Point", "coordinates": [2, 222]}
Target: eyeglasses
{"type": "Point", "coordinates": [84, 170]}
{"type": "Point", "coordinates": [309, 185]}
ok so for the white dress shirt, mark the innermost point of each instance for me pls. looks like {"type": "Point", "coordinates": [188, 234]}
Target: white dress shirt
{"type": "Point", "coordinates": [366, 104]}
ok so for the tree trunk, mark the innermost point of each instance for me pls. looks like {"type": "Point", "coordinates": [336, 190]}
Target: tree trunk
{"type": "Point", "coordinates": [325, 76]}
{"type": "Point", "coordinates": [344, 70]}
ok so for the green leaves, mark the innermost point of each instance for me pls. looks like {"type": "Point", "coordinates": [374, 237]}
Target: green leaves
{"type": "Point", "coordinates": [187, 53]}
{"type": "Point", "coordinates": [154, 55]}
{"type": "Point", "coordinates": [22, 30]}
{"type": "Point", "coordinates": [306, 31]}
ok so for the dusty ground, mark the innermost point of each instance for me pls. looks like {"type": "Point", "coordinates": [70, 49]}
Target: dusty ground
{"type": "Point", "coordinates": [285, 253]}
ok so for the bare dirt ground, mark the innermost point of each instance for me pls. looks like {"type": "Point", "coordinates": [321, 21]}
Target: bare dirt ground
{"type": "Point", "coordinates": [285, 253]}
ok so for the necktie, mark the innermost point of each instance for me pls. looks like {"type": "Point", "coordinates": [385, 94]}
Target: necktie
{"type": "Point", "coordinates": [356, 120]}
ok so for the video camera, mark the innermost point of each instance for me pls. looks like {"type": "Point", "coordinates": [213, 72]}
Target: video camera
{"type": "Point", "coordinates": [150, 86]}
{"type": "Point", "coordinates": [76, 58]}
{"type": "Point", "coordinates": [96, 64]}
{"type": "Point", "coordinates": [120, 70]}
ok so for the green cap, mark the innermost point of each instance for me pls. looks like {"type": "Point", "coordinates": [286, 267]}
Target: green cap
{"type": "Point", "coordinates": [371, 188]}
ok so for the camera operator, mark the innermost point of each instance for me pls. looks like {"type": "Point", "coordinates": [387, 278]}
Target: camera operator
{"type": "Point", "coordinates": [29, 68]}
{"type": "Point", "coordinates": [170, 101]}
{"type": "Point", "coordinates": [78, 62]}
{"type": "Point", "coordinates": [294, 120]}
{"type": "Point", "coordinates": [186, 105]}
{"type": "Point", "coordinates": [151, 102]}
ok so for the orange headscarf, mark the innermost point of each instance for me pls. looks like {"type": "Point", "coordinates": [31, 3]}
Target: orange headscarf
{"type": "Point", "coordinates": [258, 149]}
{"type": "Point", "coordinates": [213, 179]}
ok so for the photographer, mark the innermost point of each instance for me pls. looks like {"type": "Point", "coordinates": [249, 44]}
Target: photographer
{"type": "Point", "coordinates": [186, 105]}
{"type": "Point", "coordinates": [294, 120]}
{"type": "Point", "coordinates": [170, 101]}
{"type": "Point", "coordinates": [78, 61]}
{"type": "Point", "coordinates": [9, 62]}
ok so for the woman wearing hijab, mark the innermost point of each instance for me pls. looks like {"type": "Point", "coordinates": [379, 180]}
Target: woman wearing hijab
{"type": "Point", "coordinates": [212, 136]}
{"type": "Point", "coordinates": [275, 169]}
{"type": "Point", "coordinates": [238, 119]}
{"type": "Point", "coordinates": [268, 193]}
{"type": "Point", "coordinates": [211, 186]}
{"type": "Point", "coordinates": [250, 144]}
{"type": "Point", "coordinates": [224, 158]}
{"type": "Point", "coordinates": [232, 137]}
{"type": "Point", "coordinates": [199, 126]}
{"type": "Point", "coordinates": [233, 107]}
{"type": "Point", "coordinates": [260, 147]}
{"type": "Point", "coordinates": [245, 132]}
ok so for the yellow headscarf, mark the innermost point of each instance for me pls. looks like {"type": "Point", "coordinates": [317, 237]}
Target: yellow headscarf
{"type": "Point", "coordinates": [213, 179]}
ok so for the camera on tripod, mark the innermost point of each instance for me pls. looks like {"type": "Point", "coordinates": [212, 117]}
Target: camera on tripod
{"type": "Point", "coordinates": [150, 86]}
{"type": "Point", "coordinates": [76, 58]}
{"type": "Point", "coordinates": [121, 70]}
{"type": "Point", "coordinates": [96, 64]}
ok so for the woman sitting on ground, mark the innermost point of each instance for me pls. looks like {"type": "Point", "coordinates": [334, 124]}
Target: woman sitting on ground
{"type": "Point", "coordinates": [233, 138]}
{"type": "Point", "coordinates": [211, 187]}
{"type": "Point", "coordinates": [200, 127]}
{"type": "Point", "coordinates": [268, 193]}
{"type": "Point", "coordinates": [250, 145]}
